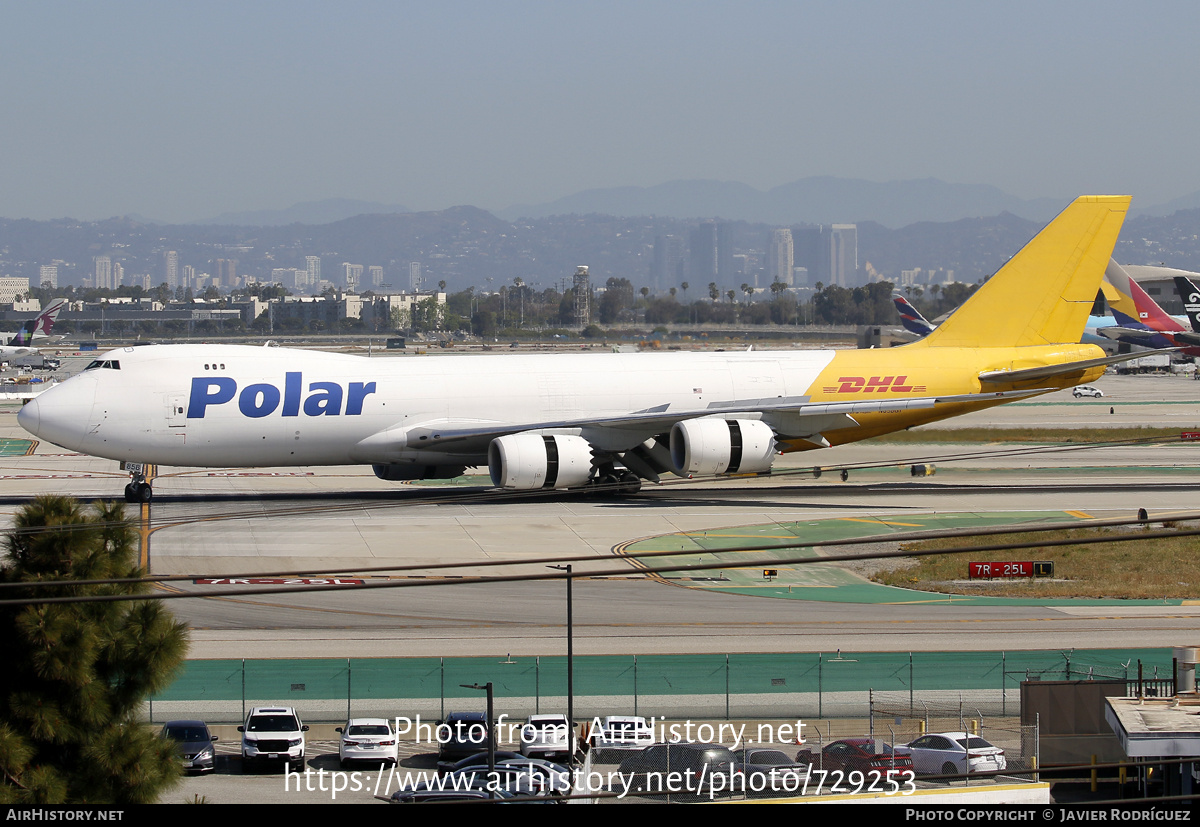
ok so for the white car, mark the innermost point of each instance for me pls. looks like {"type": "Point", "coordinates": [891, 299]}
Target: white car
{"type": "Point", "coordinates": [1087, 390]}
{"type": "Point", "coordinates": [273, 734]}
{"type": "Point", "coordinates": [946, 753]}
{"type": "Point", "coordinates": [368, 739]}
{"type": "Point", "coordinates": [623, 732]}
{"type": "Point", "coordinates": [545, 735]}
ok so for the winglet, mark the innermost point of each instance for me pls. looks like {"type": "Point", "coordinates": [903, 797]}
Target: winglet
{"type": "Point", "coordinates": [1043, 295]}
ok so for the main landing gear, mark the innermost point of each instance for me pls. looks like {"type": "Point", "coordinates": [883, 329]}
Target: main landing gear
{"type": "Point", "coordinates": [618, 483]}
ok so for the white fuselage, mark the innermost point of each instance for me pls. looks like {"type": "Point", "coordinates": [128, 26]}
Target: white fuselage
{"type": "Point", "coordinates": [223, 405]}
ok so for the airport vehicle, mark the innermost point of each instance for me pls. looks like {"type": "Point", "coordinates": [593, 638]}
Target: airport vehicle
{"type": "Point", "coordinates": [195, 742]}
{"type": "Point", "coordinates": [569, 421]}
{"type": "Point", "coordinates": [622, 732]}
{"type": "Point", "coordinates": [862, 754]}
{"type": "Point", "coordinates": [273, 734]}
{"type": "Point", "coordinates": [424, 794]}
{"type": "Point", "coordinates": [1087, 390]}
{"type": "Point", "coordinates": [771, 770]}
{"type": "Point", "coordinates": [466, 734]}
{"type": "Point", "coordinates": [38, 327]}
{"type": "Point", "coordinates": [946, 753]}
{"type": "Point", "coordinates": [694, 762]}
{"type": "Point", "coordinates": [479, 759]}
{"type": "Point", "coordinates": [550, 734]}
{"type": "Point", "coordinates": [549, 776]}
{"type": "Point", "coordinates": [368, 739]}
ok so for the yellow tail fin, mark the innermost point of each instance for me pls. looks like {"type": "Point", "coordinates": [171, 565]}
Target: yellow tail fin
{"type": "Point", "coordinates": [1043, 295]}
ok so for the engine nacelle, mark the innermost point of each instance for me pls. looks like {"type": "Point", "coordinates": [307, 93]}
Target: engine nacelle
{"type": "Point", "coordinates": [529, 461]}
{"type": "Point", "coordinates": [404, 471]}
{"type": "Point", "coordinates": [722, 446]}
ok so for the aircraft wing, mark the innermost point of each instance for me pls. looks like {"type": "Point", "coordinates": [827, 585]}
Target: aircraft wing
{"type": "Point", "coordinates": [795, 417]}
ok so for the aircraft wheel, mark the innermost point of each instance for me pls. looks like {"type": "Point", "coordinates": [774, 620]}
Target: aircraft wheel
{"type": "Point", "coordinates": [130, 494]}
{"type": "Point", "coordinates": [631, 483]}
{"type": "Point", "coordinates": [845, 476]}
{"type": "Point", "coordinates": [144, 492]}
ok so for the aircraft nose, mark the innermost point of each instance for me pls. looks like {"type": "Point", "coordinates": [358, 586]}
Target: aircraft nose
{"type": "Point", "coordinates": [60, 414]}
{"type": "Point", "coordinates": [29, 416]}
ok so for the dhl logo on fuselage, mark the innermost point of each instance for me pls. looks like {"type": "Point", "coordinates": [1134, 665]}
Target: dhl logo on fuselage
{"type": "Point", "coordinates": [263, 399]}
{"type": "Point", "coordinates": [874, 384]}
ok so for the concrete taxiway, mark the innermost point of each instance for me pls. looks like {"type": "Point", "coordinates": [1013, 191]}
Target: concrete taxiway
{"type": "Point", "coordinates": [218, 522]}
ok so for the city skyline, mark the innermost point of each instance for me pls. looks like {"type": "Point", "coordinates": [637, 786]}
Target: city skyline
{"type": "Point", "coordinates": [128, 108]}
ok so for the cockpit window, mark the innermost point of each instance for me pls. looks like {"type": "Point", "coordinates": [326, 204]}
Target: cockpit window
{"type": "Point", "coordinates": [111, 364]}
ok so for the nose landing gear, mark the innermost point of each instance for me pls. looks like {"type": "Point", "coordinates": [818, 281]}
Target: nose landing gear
{"type": "Point", "coordinates": [138, 490]}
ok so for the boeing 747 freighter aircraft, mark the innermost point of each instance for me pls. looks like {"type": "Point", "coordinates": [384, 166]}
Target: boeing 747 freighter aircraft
{"type": "Point", "coordinates": [572, 420]}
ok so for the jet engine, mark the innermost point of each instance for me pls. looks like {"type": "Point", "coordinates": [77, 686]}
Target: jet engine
{"type": "Point", "coordinates": [528, 461]}
{"type": "Point", "coordinates": [722, 446]}
{"type": "Point", "coordinates": [401, 472]}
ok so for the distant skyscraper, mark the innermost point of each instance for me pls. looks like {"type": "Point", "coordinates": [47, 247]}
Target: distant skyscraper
{"type": "Point", "coordinates": [375, 275]}
{"type": "Point", "coordinates": [666, 271]}
{"type": "Point", "coordinates": [103, 272]}
{"type": "Point", "coordinates": [225, 271]}
{"type": "Point", "coordinates": [48, 275]}
{"type": "Point", "coordinates": [314, 269]}
{"type": "Point", "coordinates": [781, 259]}
{"type": "Point", "coordinates": [811, 253]}
{"type": "Point", "coordinates": [352, 275]}
{"type": "Point", "coordinates": [171, 268]}
{"type": "Point", "coordinates": [710, 253]}
{"type": "Point", "coordinates": [702, 253]}
{"type": "Point", "coordinates": [414, 276]}
{"type": "Point", "coordinates": [843, 255]}
{"type": "Point", "coordinates": [118, 274]}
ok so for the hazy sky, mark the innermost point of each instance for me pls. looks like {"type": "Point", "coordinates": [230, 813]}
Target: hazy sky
{"type": "Point", "coordinates": [182, 110]}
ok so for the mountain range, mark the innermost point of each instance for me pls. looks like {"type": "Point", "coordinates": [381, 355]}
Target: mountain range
{"type": "Point", "coordinates": [816, 200]}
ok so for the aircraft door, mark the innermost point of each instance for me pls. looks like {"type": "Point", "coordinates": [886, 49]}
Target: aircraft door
{"type": "Point", "coordinates": [176, 410]}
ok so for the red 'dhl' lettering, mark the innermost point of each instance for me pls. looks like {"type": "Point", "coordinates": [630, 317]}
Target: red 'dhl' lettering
{"type": "Point", "coordinates": [878, 383]}
{"type": "Point", "coordinates": [850, 384]}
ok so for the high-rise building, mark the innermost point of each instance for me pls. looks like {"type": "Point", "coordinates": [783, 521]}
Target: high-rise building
{"type": "Point", "coordinates": [710, 253]}
{"type": "Point", "coordinates": [375, 275]}
{"type": "Point", "coordinates": [48, 275]}
{"type": "Point", "coordinates": [667, 269]}
{"type": "Point", "coordinates": [843, 255]}
{"type": "Point", "coordinates": [225, 271]}
{"type": "Point", "coordinates": [811, 254]}
{"type": "Point", "coordinates": [314, 269]}
{"type": "Point", "coordinates": [103, 272]}
{"type": "Point", "coordinates": [702, 253]}
{"type": "Point", "coordinates": [171, 268]}
{"type": "Point", "coordinates": [414, 276]}
{"type": "Point", "coordinates": [118, 274]}
{"type": "Point", "coordinates": [352, 275]}
{"type": "Point", "coordinates": [781, 259]}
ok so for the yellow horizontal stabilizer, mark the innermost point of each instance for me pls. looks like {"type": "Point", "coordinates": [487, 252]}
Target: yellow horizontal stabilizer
{"type": "Point", "coordinates": [1044, 294]}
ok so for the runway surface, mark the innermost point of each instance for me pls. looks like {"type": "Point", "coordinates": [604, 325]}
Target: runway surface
{"type": "Point", "coordinates": [216, 522]}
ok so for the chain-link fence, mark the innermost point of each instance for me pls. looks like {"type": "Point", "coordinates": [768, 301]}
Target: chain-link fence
{"type": "Point", "coordinates": [720, 687]}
